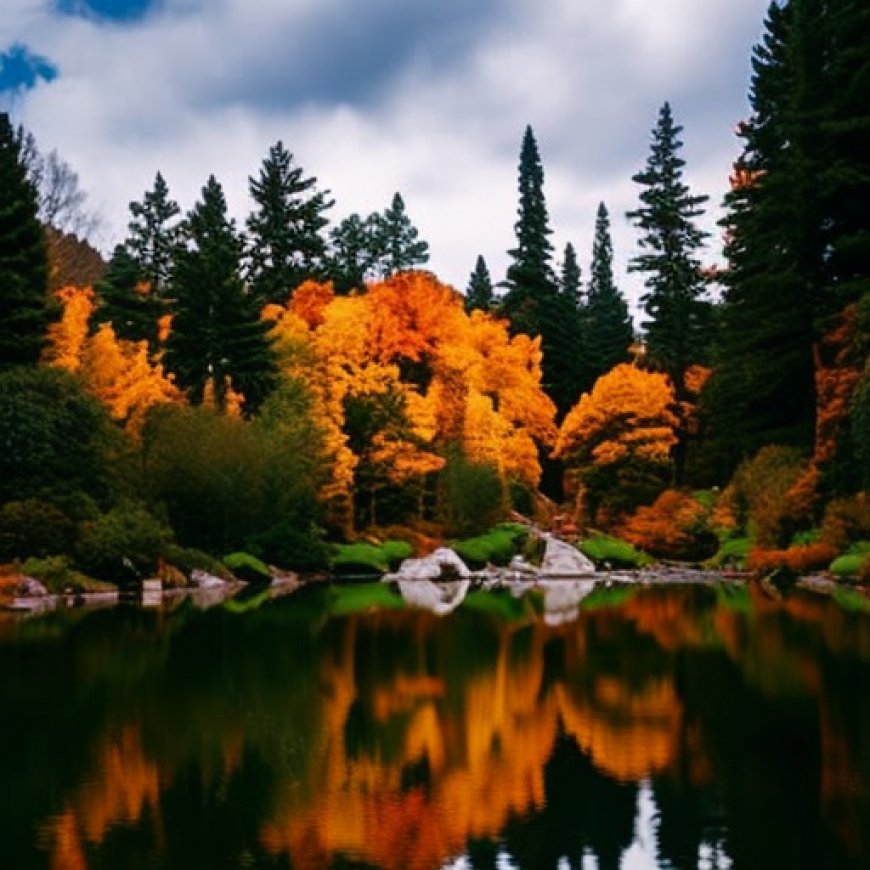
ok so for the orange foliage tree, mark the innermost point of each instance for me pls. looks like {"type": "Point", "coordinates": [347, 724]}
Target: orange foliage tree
{"type": "Point", "coordinates": [616, 441]}
{"type": "Point", "coordinates": [401, 373]}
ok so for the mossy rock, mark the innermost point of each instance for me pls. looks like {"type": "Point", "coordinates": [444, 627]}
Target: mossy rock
{"type": "Point", "coordinates": [247, 567]}
{"type": "Point", "coordinates": [609, 552]}
{"type": "Point", "coordinates": [55, 573]}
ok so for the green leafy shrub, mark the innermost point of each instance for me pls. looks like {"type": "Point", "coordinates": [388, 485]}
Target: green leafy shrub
{"type": "Point", "coordinates": [247, 567]}
{"type": "Point", "coordinates": [188, 559]}
{"type": "Point", "coordinates": [609, 552]}
{"type": "Point", "coordinates": [56, 574]}
{"type": "Point", "coordinates": [851, 564]}
{"type": "Point", "coordinates": [732, 553]}
{"type": "Point", "coordinates": [472, 496]}
{"type": "Point", "coordinates": [122, 545]}
{"type": "Point", "coordinates": [498, 546]}
{"type": "Point", "coordinates": [32, 527]}
{"type": "Point", "coordinates": [298, 547]}
{"type": "Point", "coordinates": [365, 558]}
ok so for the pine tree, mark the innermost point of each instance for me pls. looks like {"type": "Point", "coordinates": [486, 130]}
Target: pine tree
{"type": "Point", "coordinates": [679, 324]}
{"type": "Point", "coordinates": [763, 386]}
{"type": "Point", "coordinates": [479, 294]}
{"type": "Point", "coordinates": [217, 334]}
{"type": "Point", "coordinates": [286, 243]}
{"type": "Point", "coordinates": [608, 332]}
{"type": "Point", "coordinates": [134, 292]}
{"type": "Point", "coordinates": [351, 257]}
{"type": "Point", "coordinates": [569, 280]}
{"type": "Point", "coordinates": [25, 306]}
{"type": "Point", "coordinates": [153, 235]}
{"type": "Point", "coordinates": [397, 242]}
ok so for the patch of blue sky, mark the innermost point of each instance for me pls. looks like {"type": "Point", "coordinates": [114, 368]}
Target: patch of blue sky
{"type": "Point", "coordinates": [21, 69]}
{"type": "Point", "coordinates": [122, 11]}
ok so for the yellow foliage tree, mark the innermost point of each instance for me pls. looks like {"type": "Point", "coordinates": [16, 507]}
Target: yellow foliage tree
{"type": "Point", "coordinates": [67, 337]}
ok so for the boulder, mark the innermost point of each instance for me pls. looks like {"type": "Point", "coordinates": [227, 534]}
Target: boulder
{"type": "Point", "coordinates": [442, 564]}
{"type": "Point", "coordinates": [564, 560]}
{"type": "Point", "coordinates": [29, 587]}
{"type": "Point", "coordinates": [203, 580]}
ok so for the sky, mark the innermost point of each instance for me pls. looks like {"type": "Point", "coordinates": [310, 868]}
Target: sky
{"type": "Point", "coordinates": [426, 97]}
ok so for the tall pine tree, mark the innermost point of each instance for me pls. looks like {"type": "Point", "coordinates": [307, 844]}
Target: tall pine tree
{"type": "Point", "coordinates": [286, 241]}
{"type": "Point", "coordinates": [397, 241]}
{"type": "Point", "coordinates": [217, 333]}
{"type": "Point", "coordinates": [25, 306]}
{"type": "Point", "coordinates": [608, 332]}
{"type": "Point", "coordinates": [679, 319]}
{"type": "Point", "coordinates": [569, 279]}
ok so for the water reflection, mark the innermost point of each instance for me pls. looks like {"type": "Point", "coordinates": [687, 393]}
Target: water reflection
{"type": "Point", "coordinates": [682, 727]}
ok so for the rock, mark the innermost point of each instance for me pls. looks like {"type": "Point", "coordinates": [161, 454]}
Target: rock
{"type": "Point", "coordinates": [29, 587]}
{"type": "Point", "coordinates": [520, 566]}
{"type": "Point", "coordinates": [442, 564]}
{"type": "Point", "coordinates": [563, 560]}
{"type": "Point", "coordinates": [203, 580]}
{"type": "Point", "coordinates": [440, 598]}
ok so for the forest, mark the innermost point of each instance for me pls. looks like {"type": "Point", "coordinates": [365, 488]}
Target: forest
{"type": "Point", "coordinates": [284, 390]}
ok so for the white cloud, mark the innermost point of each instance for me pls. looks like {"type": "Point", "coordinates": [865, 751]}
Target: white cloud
{"type": "Point", "coordinates": [370, 104]}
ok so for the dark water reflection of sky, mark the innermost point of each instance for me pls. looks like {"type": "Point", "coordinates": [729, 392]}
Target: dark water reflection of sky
{"type": "Point", "coordinates": [679, 727]}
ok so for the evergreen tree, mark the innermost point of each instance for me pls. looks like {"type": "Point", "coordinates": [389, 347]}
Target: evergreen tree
{"type": "Point", "coordinates": [134, 292]}
{"type": "Point", "coordinates": [352, 257]}
{"type": "Point", "coordinates": [679, 324]}
{"type": "Point", "coordinates": [396, 240]}
{"type": "Point", "coordinates": [608, 332]}
{"type": "Point", "coordinates": [479, 294]}
{"type": "Point", "coordinates": [533, 303]}
{"type": "Point", "coordinates": [285, 231]}
{"type": "Point", "coordinates": [216, 330]}
{"type": "Point", "coordinates": [569, 281]}
{"type": "Point", "coordinates": [25, 306]}
{"type": "Point", "coordinates": [763, 387]}
{"type": "Point", "coordinates": [153, 235]}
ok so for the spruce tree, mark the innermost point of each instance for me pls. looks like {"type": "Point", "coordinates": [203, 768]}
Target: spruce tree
{"type": "Point", "coordinates": [134, 293]}
{"type": "Point", "coordinates": [569, 280]}
{"type": "Point", "coordinates": [216, 332]}
{"type": "Point", "coordinates": [286, 241]}
{"type": "Point", "coordinates": [533, 303]}
{"type": "Point", "coordinates": [763, 387]}
{"type": "Point", "coordinates": [396, 241]}
{"type": "Point", "coordinates": [679, 319]}
{"type": "Point", "coordinates": [608, 332]}
{"type": "Point", "coordinates": [479, 294]}
{"type": "Point", "coordinates": [351, 256]}
{"type": "Point", "coordinates": [25, 306]}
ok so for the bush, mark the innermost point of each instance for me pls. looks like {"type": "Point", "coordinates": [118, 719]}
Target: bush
{"type": "Point", "coordinates": [122, 545]}
{"type": "Point", "coordinates": [247, 567]}
{"type": "Point", "coordinates": [187, 560]}
{"type": "Point", "coordinates": [846, 520]}
{"type": "Point", "coordinates": [673, 527]}
{"type": "Point", "coordinates": [34, 528]}
{"type": "Point", "coordinates": [732, 553]}
{"type": "Point", "coordinates": [497, 547]}
{"type": "Point", "coordinates": [609, 552]}
{"type": "Point", "coordinates": [365, 558]}
{"type": "Point", "coordinates": [853, 563]}
{"type": "Point", "coordinates": [287, 545]}
{"type": "Point", "coordinates": [761, 494]}
{"type": "Point", "coordinates": [799, 559]}
{"type": "Point", "coordinates": [56, 574]}
{"type": "Point", "coordinates": [472, 496]}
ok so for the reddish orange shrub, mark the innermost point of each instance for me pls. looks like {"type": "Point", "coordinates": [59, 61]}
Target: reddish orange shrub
{"type": "Point", "coordinates": [673, 527]}
{"type": "Point", "coordinates": [800, 558]}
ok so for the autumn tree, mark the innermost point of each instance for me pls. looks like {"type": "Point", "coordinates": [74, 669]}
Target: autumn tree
{"type": "Point", "coordinates": [678, 325]}
{"type": "Point", "coordinates": [25, 306]}
{"type": "Point", "coordinates": [617, 441]}
{"type": "Point", "coordinates": [479, 293]}
{"type": "Point", "coordinates": [217, 335]}
{"type": "Point", "coordinates": [286, 243]}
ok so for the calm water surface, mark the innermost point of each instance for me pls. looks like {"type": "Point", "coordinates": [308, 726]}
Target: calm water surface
{"type": "Point", "coordinates": [666, 727]}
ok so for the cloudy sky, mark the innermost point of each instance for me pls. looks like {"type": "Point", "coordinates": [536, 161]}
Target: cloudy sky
{"type": "Point", "coordinates": [426, 97]}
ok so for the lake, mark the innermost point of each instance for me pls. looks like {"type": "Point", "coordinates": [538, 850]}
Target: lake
{"type": "Point", "coordinates": [675, 727]}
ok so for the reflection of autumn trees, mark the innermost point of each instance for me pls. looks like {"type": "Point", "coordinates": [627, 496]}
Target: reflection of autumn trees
{"type": "Point", "coordinates": [397, 738]}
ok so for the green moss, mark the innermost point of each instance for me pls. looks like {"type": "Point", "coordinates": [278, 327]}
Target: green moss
{"type": "Point", "coordinates": [731, 554]}
{"type": "Point", "coordinates": [608, 596]}
{"type": "Point", "coordinates": [345, 599]}
{"type": "Point", "coordinates": [247, 567]}
{"type": "Point", "coordinates": [848, 565]}
{"type": "Point", "coordinates": [364, 558]}
{"type": "Point", "coordinates": [608, 551]}
{"type": "Point", "coordinates": [498, 546]}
